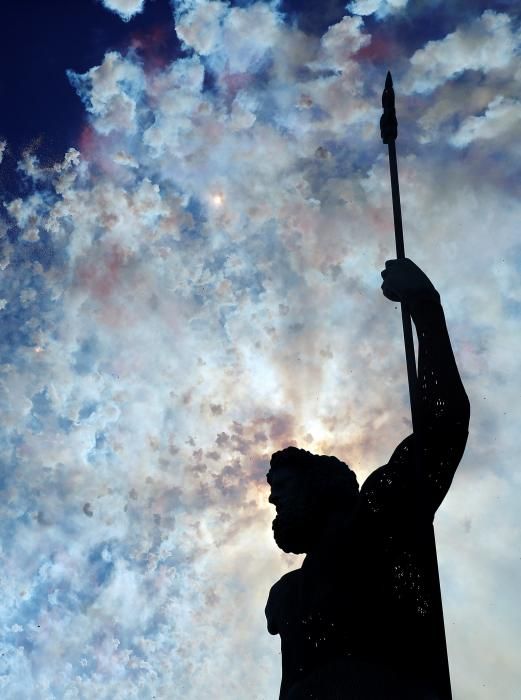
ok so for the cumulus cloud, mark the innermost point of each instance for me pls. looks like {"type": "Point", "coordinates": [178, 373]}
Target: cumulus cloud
{"type": "Point", "coordinates": [485, 44]}
{"type": "Point", "coordinates": [238, 38]}
{"type": "Point", "coordinates": [379, 7]}
{"type": "Point", "coordinates": [110, 92]}
{"type": "Point", "coordinates": [196, 286]}
{"type": "Point", "coordinates": [126, 9]}
{"type": "Point", "coordinates": [502, 116]}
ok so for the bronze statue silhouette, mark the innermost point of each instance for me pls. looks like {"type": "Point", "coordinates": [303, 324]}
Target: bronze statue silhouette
{"type": "Point", "coordinates": [361, 619]}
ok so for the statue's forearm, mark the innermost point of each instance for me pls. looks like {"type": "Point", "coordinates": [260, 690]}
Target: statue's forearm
{"type": "Point", "coordinates": [442, 400]}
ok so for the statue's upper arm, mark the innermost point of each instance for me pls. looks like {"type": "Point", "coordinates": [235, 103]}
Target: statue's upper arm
{"type": "Point", "coordinates": [271, 617]}
{"type": "Point", "coordinates": [277, 597]}
{"type": "Point", "coordinates": [394, 485]}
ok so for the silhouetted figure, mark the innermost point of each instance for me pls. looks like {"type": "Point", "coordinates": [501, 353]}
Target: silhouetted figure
{"type": "Point", "coordinates": [359, 619]}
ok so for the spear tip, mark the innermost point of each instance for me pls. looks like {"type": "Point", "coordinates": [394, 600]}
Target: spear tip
{"type": "Point", "coordinates": [388, 122]}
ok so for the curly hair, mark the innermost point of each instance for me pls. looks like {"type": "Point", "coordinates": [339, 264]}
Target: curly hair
{"type": "Point", "coordinates": [332, 483]}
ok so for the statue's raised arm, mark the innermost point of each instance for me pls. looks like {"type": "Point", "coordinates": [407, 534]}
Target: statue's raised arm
{"type": "Point", "coordinates": [442, 405]}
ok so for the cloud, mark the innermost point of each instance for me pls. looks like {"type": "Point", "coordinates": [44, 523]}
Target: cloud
{"type": "Point", "coordinates": [381, 8]}
{"type": "Point", "coordinates": [126, 9]}
{"type": "Point", "coordinates": [502, 116]}
{"type": "Point", "coordinates": [239, 37]}
{"type": "Point", "coordinates": [110, 92]}
{"type": "Point", "coordinates": [484, 44]}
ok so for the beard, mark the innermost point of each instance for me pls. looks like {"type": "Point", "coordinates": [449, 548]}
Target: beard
{"type": "Point", "coordinates": [296, 529]}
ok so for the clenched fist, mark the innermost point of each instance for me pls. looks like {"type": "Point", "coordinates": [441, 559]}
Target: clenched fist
{"type": "Point", "coordinates": [404, 281]}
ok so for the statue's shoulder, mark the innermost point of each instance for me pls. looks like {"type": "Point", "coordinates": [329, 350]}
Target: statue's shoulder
{"type": "Point", "coordinates": [285, 583]}
{"type": "Point", "coordinates": [280, 593]}
{"type": "Point", "coordinates": [387, 491]}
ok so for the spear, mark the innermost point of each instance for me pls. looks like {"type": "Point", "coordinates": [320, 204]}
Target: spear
{"type": "Point", "coordinates": [389, 133]}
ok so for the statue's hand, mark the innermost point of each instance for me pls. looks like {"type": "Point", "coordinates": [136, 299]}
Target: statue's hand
{"type": "Point", "coordinates": [404, 281]}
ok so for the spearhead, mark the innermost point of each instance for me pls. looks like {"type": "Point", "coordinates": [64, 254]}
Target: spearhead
{"type": "Point", "coordinates": [388, 121]}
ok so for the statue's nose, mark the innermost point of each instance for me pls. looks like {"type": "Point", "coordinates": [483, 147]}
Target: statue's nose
{"type": "Point", "coordinates": [273, 498]}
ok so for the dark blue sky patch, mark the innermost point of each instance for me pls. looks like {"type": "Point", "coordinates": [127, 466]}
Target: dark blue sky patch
{"type": "Point", "coordinates": [429, 20]}
{"type": "Point", "coordinates": [348, 158]}
{"type": "Point", "coordinates": [41, 45]}
{"type": "Point", "coordinates": [512, 308]}
{"type": "Point", "coordinates": [87, 355]}
{"type": "Point", "coordinates": [146, 119]}
{"type": "Point", "coordinates": [194, 231]}
{"type": "Point", "coordinates": [87, 410]}
{"type": "Point", "coordinates": [43, 251]}
{"type": "Point", "coordinates": [38, 601]}
{"type": "Point", "coordinates": [100, 440]}
{"type": "Point", "coordinates": [215, 263]}
{"type": "Point", "coordinates": [101, 451]}
{"type": "Point", "coordinates": [65, 424]}
{"type": "Point", "coordinates": [311, 16]}
{"type": "Point", "coordinates": [42, 42]}
{"type": "Point", "coordinates": [434, 19]}
{"type": "Point", "coordinates": [397, 36]}
{"type": "Point", "coordinates": [41, 403]}
{"type": "Point", "coordinates": [15, 332]}
{"type": "Point", "coordinates": [19, 510]}
{"type": "Point", "coordinates": [41, 410]}
{"type": "Point", "coordinates": [501, 165]}
{"type": "Point", "coordinates": [267, 244]}
{"type": "Point", "coordinates": [242, 281]}
{"type": "Point", "coordinates": [8, 460]}
{"type": "Point", "coordinates": [209, 81]}
{"type": "Point", "coordinates": [249, 283]}
{"type": "Point", "coordinates": [101, 565]}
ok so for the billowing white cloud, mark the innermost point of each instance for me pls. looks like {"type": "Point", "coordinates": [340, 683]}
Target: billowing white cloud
{"type": "Point", "coordinates": [485, 44]}
{"type": "Point", "coordinates": [236, 38]}
{"type": "Point", "coordinates": [198, 285]}
{"type": "Point", "coordinates": [379, 7]}
{"type": "Point", "coordinates": [126, 9]}
{"type": "Point", "coordinates": [502, 116]}
{"type": "Point", "coordinates": [110, 92]}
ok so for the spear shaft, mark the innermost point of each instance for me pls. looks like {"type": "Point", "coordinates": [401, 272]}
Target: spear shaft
{"type": "Point", "coordinates": [400, 253]}
{"type": "Point", "coordinates": [389, 132]}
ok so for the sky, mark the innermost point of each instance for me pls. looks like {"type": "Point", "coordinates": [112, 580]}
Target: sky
{"type": "Point", "coordinates": [195, 209]}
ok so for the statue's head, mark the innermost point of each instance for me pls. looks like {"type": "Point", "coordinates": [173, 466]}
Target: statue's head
{"type": "Point", "coordinates": [306, 489]}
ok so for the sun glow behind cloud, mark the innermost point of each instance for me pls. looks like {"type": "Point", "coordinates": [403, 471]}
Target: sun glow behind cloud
{"type": "Point", "coordinates": [198, 286]}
